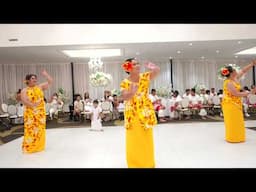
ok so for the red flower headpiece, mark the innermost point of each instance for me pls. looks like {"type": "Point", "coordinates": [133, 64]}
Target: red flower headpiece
{"type": "Point", "coordinates": [127, 66]}
{"type": "Point", "coordinates": [224, 71]}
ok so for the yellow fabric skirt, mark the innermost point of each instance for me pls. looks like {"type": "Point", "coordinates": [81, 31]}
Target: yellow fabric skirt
{"type": "Point", "coordinates": [234, 123]}
{"type": "Point", "coordinates": [37, 146]}
{"type": "Point", "coordinates": [139, 147]}
{"type": "Point", "coordinates": [34, 131]}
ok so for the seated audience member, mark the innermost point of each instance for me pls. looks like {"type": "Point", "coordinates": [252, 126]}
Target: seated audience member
{"type": "Point", "coordinates": [115, 107]}
{"type": "Point", "coordinates": [159, 108]}
{"type": "Point", "coordinates": [175, 104]}
{"type": "Point", "coordinates": [195, 103]}
{"type": "Point", "coordinates": [107, 96]}
{"type": "Point", "coordinates": [56, 105]}
{"type": "Point", "coordinates": [78, 108]}
{"type": "Point", "coordinates": [18, 98]}
{"type": "Point", "coordinates": [153, 96]}
{"type": "Point", "coordinates": [186, 94]}
{"type": "Point", "coordinates": [87, 98]}
{"type": "Point", "coordinates": [246, 102]}
{"type": "Point", "coordinates": [209, 97]}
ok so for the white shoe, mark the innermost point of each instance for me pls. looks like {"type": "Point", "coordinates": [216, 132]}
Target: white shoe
{"type": "Point", "coordinates": [247, 115]}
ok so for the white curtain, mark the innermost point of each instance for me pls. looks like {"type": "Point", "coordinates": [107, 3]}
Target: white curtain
{"type": "Point", "coordinates": [13, 76]}
{"type": "Point", "coordinates": [186, 73]}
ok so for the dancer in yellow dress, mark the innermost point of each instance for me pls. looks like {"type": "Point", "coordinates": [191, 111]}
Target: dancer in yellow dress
{"type": "Point", "coordinates": [232, 102]}
{"type": "Point", "coordinates": [139, 114]}
{"type": "Point", "coordinates": [34, 113]}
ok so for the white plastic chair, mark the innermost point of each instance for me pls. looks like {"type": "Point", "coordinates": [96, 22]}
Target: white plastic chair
{"type": "Point", "coordinates": [216, 104]}
{"type": "Point", "coordinates": [184, 107]}
{"type": "Point", "coordinates": [20, 110]}
{"type": "Point", "coordinates": [4, 109]}
{"type": "Point", "coordinates": [106, 107]}
{"type": "Point", "coordinates": [252, 99]}
{"type": "Point", "coordinates": [4, 118]}
{"type": "Point", "coordinates": [12, 111]}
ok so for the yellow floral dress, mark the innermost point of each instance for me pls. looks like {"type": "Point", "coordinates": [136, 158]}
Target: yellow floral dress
{"type": "Point", "coordinates": [233, 114]}
{"type": "Point", "coordinates": [34, 122]}
{"type": "Point", "coordinates": [139, 120]}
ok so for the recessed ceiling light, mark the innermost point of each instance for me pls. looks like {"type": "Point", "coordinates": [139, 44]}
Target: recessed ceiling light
{"type": "Point", "coordinates": [190, 44]}
{"type": "Point", "coordinates": [202, 57]}
{"type": "Point", "coordinates": [251, 51]}
{"type": "Point", "coordinates": [239, 42]}
{"type": "Point", "coordinates": [170, 57]}
{"type": "Point", "coordinates": [178, 52]}
{"type": "Point", "coordinates": [217, 51]}
{"type": "Point", "coordinates": [93, 53]}
{"type": "Point", "coordinates": [236, 56]}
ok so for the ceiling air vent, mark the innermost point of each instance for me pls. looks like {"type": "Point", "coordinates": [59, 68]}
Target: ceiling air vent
{"type": "Point", "coordinates": [13, 39]}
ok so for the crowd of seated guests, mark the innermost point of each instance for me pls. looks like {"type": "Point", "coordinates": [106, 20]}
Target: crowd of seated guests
{"type": "Point", "coordinates": [207, 102]}
{"type": "Point", "coordinates": [202, 104]}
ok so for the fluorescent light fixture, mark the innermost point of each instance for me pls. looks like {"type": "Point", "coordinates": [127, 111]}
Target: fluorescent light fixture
{"type": "Point", "coordinates": [93, 53]}
{"type": "Point", "coordinates": [251, 51]}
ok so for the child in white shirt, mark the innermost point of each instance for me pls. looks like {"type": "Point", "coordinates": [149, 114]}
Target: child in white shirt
{"type": "Point", "coordinates": [96, 117]}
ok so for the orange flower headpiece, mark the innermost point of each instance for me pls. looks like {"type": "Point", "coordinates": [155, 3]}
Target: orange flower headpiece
{"type": "Point", "coordinates": [127, 66]}
{"type": "Point", "coordinates": [224, 71]}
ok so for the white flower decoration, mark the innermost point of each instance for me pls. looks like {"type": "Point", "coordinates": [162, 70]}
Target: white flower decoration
{"type": "Point", "coordinates": [100, 79]}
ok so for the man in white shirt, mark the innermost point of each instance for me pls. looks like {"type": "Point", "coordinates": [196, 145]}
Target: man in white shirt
{"type": "Point", "coordinates": [186, 94]}
{"type": "Point", "coordinates": [175, 104]}
{"type": "Point", "coordinates": [153, 97]}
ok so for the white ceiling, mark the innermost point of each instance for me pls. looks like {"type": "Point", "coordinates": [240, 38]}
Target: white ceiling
{"type": "Point", "coordinates": [44, 43]}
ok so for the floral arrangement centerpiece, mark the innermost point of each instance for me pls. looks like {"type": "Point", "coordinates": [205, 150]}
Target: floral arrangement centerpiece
{"type": "Point", "coordinates": [163, 91]}
{"type": "Point", "coordinates": [199, 87]}
{"type": "Point", "coordinates": [62, 94]}
{"type": "Point", "coordinates": [100, 79]}
{"type": "Point", "coordinates": [223, 71]}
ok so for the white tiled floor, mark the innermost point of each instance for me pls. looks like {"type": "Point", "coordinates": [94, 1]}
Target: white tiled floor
{"type": "Point", "coordinates": [187, 145]}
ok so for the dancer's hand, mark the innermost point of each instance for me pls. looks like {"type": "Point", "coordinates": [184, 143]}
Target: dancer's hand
{"type": "Point", "coordinates": [150, 65]}
{"type": "Point", "coordinates": [44, 73]}
{"type": "Point", "coordinates": [154, 69]}
{"type": "Point", "coordinates": [37, 103]}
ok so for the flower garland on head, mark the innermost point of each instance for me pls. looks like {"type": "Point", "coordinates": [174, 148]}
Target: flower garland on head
{"type": "Point", "coordinates": [127, 66]}
{"type": "Point", "coordinates": [223, 71]}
